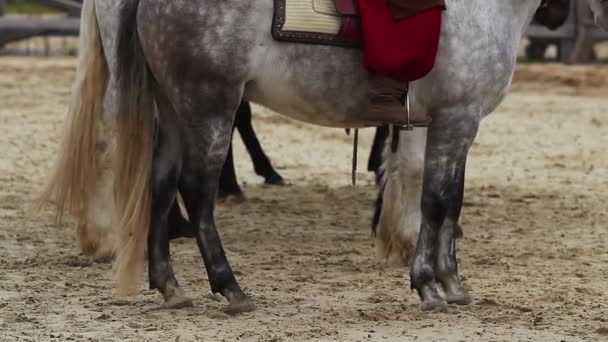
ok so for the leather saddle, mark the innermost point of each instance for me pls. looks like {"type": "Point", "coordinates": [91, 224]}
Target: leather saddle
{"type": "Point", "coordinates": [332, 22]}
{"type": "Point", "coordinates": [350, 28]}
{"type": "Point", "coordinates": [339, 23]}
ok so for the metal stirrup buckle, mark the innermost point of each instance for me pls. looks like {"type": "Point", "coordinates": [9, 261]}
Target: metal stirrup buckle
{"type": "Point", "coordinates": [405, 100]}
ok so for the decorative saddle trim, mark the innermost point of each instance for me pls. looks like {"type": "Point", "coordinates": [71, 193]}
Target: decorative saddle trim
{"type": "Point", "coordinates": [326, 22]}
{"type": "Point", "coordinates": [333, 22]}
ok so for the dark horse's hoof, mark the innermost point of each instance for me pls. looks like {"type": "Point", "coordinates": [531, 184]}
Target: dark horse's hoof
{"type": "Point", "coordinates": [237, 197]}
{"type": "Point", "coordinates": [461, 298]}
{"type": "Point", "coordinates": [274, 179]}
{"type": "Point", "coordinates": [432, 304]}
{"type": "Point", "coordinates": [177, 301]}
{"type": "Point", "coordinates": [239, 306]}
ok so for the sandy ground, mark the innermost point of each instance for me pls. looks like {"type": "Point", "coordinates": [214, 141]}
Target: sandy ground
{"type": "Point", "coordinates": [535, 252]}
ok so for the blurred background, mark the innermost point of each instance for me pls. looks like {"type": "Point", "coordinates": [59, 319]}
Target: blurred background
{"type": "Point", "coordinates": [49, 27]}
{"type": "Point", "coordinates": [534, 215]}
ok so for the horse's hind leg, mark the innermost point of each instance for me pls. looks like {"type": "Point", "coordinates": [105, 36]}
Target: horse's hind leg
{"type": "Point", "coordinates": [207, 136]}
{"type": "Point", "coordinates": [261, 163]}
{"type": "Point", "coordinates": [165, 175]}
{"type": "Point", "coordinates": [447, 264]}
{"type": "Point", "coordinates": [450, 137]}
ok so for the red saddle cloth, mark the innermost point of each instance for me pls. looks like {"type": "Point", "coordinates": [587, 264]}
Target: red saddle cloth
{"type": "Point", "coordinates": [403, 49]}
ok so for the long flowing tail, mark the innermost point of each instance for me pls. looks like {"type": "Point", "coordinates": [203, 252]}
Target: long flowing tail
{"type": "Point", "coordinates": [135, 125]}
{"type": "Point", "coordinates": [74, 174]}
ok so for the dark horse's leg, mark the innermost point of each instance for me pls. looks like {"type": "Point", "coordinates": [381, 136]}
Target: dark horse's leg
{"type": "Point", "coordinates": [442, 193]}
{"type": "Point", "coordinates": [375, 156]}
{"type": "Point", "coordinates": [165, 173]}
{"type": "Point", "coordinates": [229, 186]}
{"type": "Point", "coordinates": [261, 163]}
{"type": "Point", "coordinates": [207, 138]}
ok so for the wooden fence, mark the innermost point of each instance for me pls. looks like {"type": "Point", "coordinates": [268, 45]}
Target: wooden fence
{"type": "Point", "coordinates": [15, 28]}
{"type": "Point", "coordinates": [575, 39]}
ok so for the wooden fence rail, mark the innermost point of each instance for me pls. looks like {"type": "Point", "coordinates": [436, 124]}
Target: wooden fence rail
{"type": "Point", "coordinates": [15, 28]}
{"type": "Point", "coordinates": [575, 39]}
{"type": "Point", "coordinates": [71, 7]}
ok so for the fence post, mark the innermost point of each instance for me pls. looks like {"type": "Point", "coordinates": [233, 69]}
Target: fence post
{"type": "Point", "coordinates": [582, 51]}
{"type": "Point", "coordinates": [2, 7]}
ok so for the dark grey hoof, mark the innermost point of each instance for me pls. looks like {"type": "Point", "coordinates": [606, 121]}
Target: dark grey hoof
{"type": "Point", "coordinates": [236, 197]}
{"type": "Point", "coordinates": [275, 179]}
{"type": "Point", "coordinates": [177, 302]}
{"type": "Point", "coordinates": [239, 306]}
{"type": "Point", "coordinates": [462, 298]}
{"type": "Point", "coordinates": [434, 304]}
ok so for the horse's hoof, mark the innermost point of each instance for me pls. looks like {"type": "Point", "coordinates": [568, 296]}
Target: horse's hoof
{"type": "Point", "coordinates": [432, 304]}
{"type": "Point", "coordinates": [236, 197]}
{"type": "Point", "coordinates": [461, 298]}
{"type": "Point", "coordinates": [239, 306]}
{"type": "Point", "coordinates": [275, 179]}
{"type": "Point", "coordinates": [177, 302]}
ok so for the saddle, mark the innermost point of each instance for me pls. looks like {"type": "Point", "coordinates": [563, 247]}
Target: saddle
{"type": "Point", "coordinates": [371, 26]}
{"type": "Point", "coordinates": [333, 22]}
{"type": "Point", "coordinates": [399, 39]}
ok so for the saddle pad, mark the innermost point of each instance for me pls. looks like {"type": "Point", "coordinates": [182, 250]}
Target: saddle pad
{"type": "Point", "coordinates": [310, 21]}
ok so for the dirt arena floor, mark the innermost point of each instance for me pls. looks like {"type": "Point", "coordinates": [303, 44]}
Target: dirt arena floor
{"type": "Point", "coordinates": [535, 252]}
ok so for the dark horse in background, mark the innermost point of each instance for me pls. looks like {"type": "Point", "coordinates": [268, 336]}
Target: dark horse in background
{"type": "Point", "coordinates": [262, 166]}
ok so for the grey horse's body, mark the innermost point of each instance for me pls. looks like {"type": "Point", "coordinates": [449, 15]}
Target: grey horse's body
{"type": "Point", "coordinates": [328, 86]}
{"type": "Point", "coordinates": [198, 59]}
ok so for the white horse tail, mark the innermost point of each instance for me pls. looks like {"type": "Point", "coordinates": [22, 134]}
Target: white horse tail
{"type": "Point", "coordinates": [135, 124]}
{"type": "Point", "coordinates": [74, 174]}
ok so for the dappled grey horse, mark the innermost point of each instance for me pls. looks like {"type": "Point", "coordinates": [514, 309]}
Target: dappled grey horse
{"type": "Point", "coordinates": [194, 61]}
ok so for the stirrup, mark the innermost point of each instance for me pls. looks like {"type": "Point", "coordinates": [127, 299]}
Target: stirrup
{"type": "Point", "coordinates": [405, 100]}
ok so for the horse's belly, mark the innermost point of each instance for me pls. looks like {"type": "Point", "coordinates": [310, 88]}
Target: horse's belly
{"type": "Point", "coordinates": [320, 85]}
{"type": "Point", "coordinates": [283, 98]}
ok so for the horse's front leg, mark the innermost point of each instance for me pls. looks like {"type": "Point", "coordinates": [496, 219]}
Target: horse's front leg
{"type": "Point", "coordinates": [447, 264]}
{"type": "Point", "coordinates": [94, 233]}
{"type": "Point", "coordinates": [450, 136]}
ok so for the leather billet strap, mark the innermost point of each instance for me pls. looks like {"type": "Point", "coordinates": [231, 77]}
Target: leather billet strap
{"type": "Point", "coordinates": [348, 29]}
